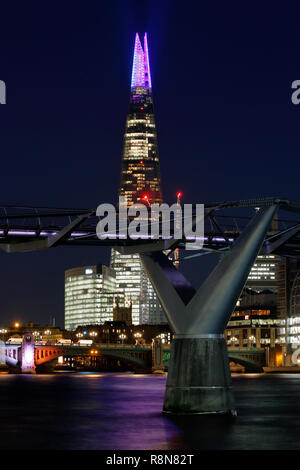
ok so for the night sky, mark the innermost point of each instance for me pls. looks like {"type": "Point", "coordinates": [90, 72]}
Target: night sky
{"type": "Point", "coordinates": [227, 128]}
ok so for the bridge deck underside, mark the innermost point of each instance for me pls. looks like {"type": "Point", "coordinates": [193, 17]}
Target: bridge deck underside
{"type": "Point", "coordinates": [224, 221]}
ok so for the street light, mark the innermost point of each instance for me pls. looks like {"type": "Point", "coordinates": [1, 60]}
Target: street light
{"type": "Point", "coordinates": [233, 340]}
{"type": "Point", "coordinates": [3, 331]}
{"type": "Point", "coordinates": [122, 337]}
{"type": "Point", "coordinates": [137, 336]}
{"type": "Point", "coordinates": [93, 333]}
{"type": "Point", "coordinates": [252, 340]}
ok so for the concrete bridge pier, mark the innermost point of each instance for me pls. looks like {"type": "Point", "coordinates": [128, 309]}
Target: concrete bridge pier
{"type": "Point", "coordinates": [3, 365]}
{"type": "Point", "coordinates": [157, 355]}
{"type": "Point", "coordinates": [27, 354]}
{"type": "Point", "coordinates": [199, 380]}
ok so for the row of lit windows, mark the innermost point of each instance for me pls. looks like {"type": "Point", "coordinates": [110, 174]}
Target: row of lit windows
{"type": "Point", "coordinates": [246, 313]}
{"type": "Point", "coordinates": [85, 283]}
{"type": "Point", "coordinates": [261, 277]}
{"type": "Point", "coordinates": [261, 269]}
{"type": "Point", "coordinates": [266, 322]}
{"type": "Point", "coordinates": [140, 134]}
{"type": "Point", "coordinates": [147, 120]}
{"type": "Point", "coordinates": [294, 320]}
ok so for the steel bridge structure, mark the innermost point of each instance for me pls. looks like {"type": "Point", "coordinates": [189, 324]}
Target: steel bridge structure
{"type": "Point", "coordinates": [199, 378]}
{"type": "Point", "coordinates": [27, 228]}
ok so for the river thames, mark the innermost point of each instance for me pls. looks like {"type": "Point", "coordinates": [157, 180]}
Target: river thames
{"type": "Point", "coordinates": [122, 411]}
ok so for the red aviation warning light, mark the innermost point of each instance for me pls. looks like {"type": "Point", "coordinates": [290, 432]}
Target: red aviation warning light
{"type": "Point", "coordinates": [145, 199]}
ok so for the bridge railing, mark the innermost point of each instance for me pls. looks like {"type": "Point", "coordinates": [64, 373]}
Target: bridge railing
{"type": "Point", "coordinates": [103, 345]}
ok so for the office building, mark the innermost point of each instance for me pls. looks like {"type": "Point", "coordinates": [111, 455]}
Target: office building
{"type": "Point", "coordinates": [122, 313]}
{"type": "Point", "coordinates": [89, 294]}
{"type": "Point", "coordinates": [288, 274]}
{"type": "Point", "coordinates": [263, 274]}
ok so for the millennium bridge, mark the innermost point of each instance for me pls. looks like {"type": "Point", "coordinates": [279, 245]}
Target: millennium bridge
{"type": "Point", "coordinates": [199, 379]}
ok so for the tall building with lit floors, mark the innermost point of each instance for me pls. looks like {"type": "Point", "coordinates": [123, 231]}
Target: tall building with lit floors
{"type": "Point", "coordinates": [139, 182]}
{"type": "Point", "coordinates": [263, 273]}
{"type": "Point", "coordinates": [89, 295]}
{"type": "Point", "coordinates": [263, 277]}
{"type": "Point", "coordinates": [289, 302]}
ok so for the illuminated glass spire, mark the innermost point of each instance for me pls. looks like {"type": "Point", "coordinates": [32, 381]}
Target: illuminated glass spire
{"type": "Point", "coordinates": [140, 181]}
{"type": "Point", "coordinates": [141, 69]}
{"type": "Point", "coordinates": [140, 173]}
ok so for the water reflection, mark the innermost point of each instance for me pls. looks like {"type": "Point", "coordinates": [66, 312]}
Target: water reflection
{"type": "Point", "coordinates": [124, 411]}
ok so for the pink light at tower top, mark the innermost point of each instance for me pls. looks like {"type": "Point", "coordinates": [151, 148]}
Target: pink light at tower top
{"type": "Point", "coordinates": [147, 63]}
{"type": "Point", "coordinates": [141, 76]}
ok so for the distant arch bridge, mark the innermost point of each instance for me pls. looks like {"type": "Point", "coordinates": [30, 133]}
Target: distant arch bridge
{"type": "Point", "coordinates": [28, 355]}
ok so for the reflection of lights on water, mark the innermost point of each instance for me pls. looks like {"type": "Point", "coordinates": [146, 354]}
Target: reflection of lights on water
{"type": "Point", "coordinates": [40, 376]}
{"type": "Point", "coordinates": [88, 374]}
{"type": "Point", "coordinates": [140, 375]}
{"type": "Point", "coordinates": [95, 376]}
{"type": "Point", "coordinates": [250, 376]}
{"type": "Point", "coordinates": [290, 375]}
{"type": "Point", "coordinates": [122, 375]}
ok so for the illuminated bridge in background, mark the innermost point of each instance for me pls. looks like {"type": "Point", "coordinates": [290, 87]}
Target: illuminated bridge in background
{"type": "Point", "coordinates": [28, 356]}
{"type": "Point", "coordinates": [199, 378]}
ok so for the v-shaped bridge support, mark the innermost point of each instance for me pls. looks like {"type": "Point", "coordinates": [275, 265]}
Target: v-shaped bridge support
{"type": "Point", "coordinates": [199, 379]}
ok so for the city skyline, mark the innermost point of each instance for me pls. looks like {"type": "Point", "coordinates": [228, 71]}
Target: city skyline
{"type": "Point", "coordinates": [59, 150]}
{"type": "Point", "coordinates": [193, 107]}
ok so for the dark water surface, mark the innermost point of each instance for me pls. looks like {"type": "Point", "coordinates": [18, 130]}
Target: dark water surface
{"type": "Point", "coordinates": [123, 411]}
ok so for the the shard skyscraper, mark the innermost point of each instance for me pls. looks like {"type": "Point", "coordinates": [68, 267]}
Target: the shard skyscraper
{"type": "Point", "coordinates": [140, 181]}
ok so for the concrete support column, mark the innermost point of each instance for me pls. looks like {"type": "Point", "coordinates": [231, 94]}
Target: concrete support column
{"type": "Point", "coordinates": [3, 365]}
{"type": "Point", "coordinates": [157, 354]}
{"type": "Point", "coordinates": [267, 356]}
{"type": "Point", "coordinates": [27, 358]}
{"type": "Point", "coordinates": [272, 338]}
{"type": "Point", "coordinates": [248, 338]}
{"type": "Point", "coordinates": [241, 338]}
{"type": "Point", "coordinates": [199, 379]}
{"type": "Point", "coordinates": [258, 337]}
{"type": "Point", "coordinates": [2, 353]}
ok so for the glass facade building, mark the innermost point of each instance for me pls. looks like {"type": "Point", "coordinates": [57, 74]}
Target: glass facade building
{"type": "Point", "coordinates": [89, 295]}
{"type": "Point", "coordinates": [128, 271]}
{"type": "Point", "coordinates": [139, 182]}
{"type": "Point", "coordinates": [289, 298]}
{"type": "Point", "coordinates": [263, 273]}
{"type": "Point", "coordinates": [294, 320]}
